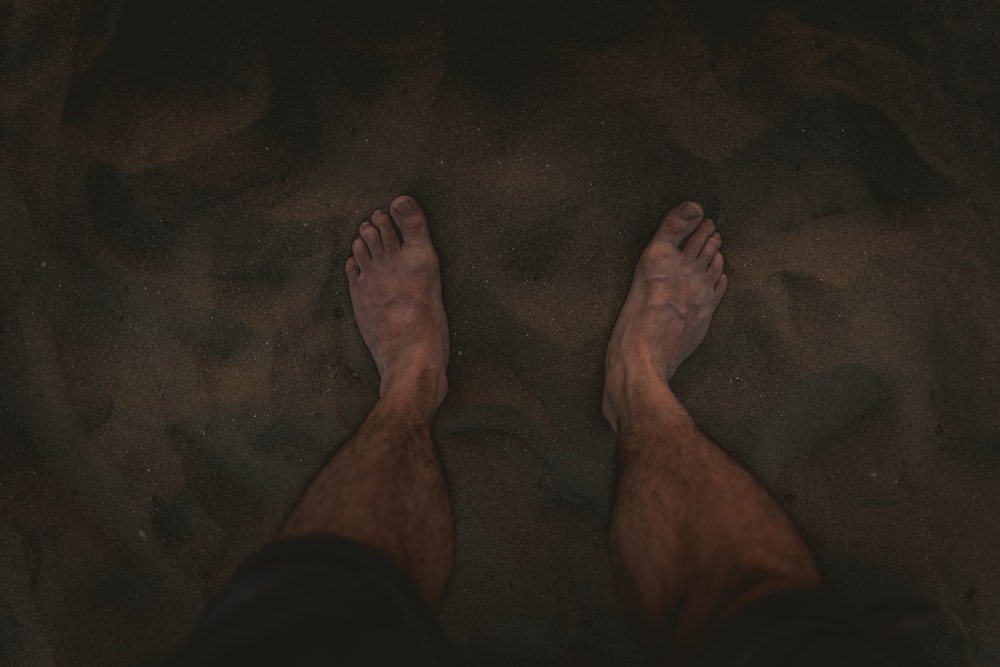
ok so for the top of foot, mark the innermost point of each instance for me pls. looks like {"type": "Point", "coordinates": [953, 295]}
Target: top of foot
{"type": "Point", "coordinates": [395, 290]}
{"type": "Point", "coordinates": [677, 286]}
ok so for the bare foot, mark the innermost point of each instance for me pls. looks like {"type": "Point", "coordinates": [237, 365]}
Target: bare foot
{"type": "Point", "coordinates": [669, 307]}
{"type": "Point", "coordinates": [396, 293]}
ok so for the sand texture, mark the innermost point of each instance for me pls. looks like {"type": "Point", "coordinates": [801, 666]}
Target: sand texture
{"type": "Point", "coordinates": [180, 182]}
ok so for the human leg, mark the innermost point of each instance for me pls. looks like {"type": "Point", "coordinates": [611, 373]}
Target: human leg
{"type": "Point", "coordinates": [694, 537]}
{"type": "Point", "coordinates": [370, 543]}
{"type": "Point", "coordinates": [385, 487]}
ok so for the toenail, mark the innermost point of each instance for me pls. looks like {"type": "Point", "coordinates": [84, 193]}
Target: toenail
{"type": "Point", "coordinates": [691, 211]}
{"type": "Point", "coordinates": [403, 206]}
{"type": "Point", "coordinates": [716, 235]}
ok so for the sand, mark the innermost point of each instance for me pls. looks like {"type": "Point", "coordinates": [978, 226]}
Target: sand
{"type": "Point", "coordinates": [179, 186]}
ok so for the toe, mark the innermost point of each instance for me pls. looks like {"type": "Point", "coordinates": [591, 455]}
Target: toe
{"type": "Point", "coordinates": [411, 220]}
{"type": "Point", "coordinates": [715, 267]}
{"type": "Point", "coordinates": [711, 247]}
{"type": "Point", "coordinates": [720, 287]}
{"type": "Point", "coordinates": [352, 269]}
{"type": "Point", "coordinates": [678, 222]}
{"type": "Point", "coordinates": [696, 244]}
{"type": "Point", "coordinates": [372, 238]}
{"type": "Point", "coordinates": [361, 255]}
{"type": "Point", "coordinates": [387, 231]}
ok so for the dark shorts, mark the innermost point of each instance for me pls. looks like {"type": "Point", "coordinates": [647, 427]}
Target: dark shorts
{"type": "Point", "coordinates": [327, 601]}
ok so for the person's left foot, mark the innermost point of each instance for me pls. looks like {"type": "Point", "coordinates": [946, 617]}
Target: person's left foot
{"type": "Point", "coordinates": [395, 289]}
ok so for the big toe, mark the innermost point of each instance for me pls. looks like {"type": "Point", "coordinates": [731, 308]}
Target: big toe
{"type": "Point", "coordinates": [679, 222]}
{"type": "Point", "coordinates": [410, 219]}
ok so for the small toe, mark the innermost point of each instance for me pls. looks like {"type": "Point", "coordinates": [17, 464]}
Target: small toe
{"type": "Point", "coordinates": [387, 231]}
{"type": "Point", "coordinates": [720, 287]}
{"type": "Point", "coordinates": [711, 247]}
{"type": "Point", "coordinates": [361, 254]}
{"type": "Point", "coordinates": [410, 219]}
{"type": "Point", "coordinates": [372, 238]}
{"type": "Point", "coordinates": [696, 242]}
{"type": "Point", "coordinates": [679, 221]}
{"type": "Point", "coordinates": [715, 266]}
{"type": "Point", "coordinates": [352, 269]}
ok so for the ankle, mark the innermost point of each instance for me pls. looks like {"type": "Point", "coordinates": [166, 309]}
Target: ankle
{"type": "Point", "coordinates": [633, 392]}
{"type": "Point", "coordinates": [415, 395]}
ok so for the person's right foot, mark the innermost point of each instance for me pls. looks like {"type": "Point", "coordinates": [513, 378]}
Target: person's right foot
{"type": "Point", "coordinates": [669, 307]}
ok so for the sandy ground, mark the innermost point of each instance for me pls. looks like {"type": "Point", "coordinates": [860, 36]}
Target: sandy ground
{"type": "Point", "coordinates": [179, 185]}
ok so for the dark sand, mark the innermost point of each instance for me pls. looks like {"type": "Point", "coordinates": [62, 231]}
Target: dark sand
{"type": "Point", "coordinates": [178, 190]}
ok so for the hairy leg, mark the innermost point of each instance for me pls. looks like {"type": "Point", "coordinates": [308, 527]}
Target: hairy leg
{"type": "Point", "coordinates": [694, 537]}
{"type": "Point", "coordinates": [385, 487]}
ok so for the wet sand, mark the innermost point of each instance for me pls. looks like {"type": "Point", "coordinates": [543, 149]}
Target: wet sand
{"type": "Point", "coordinates": [179, 186]}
